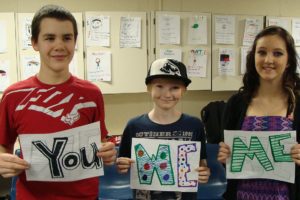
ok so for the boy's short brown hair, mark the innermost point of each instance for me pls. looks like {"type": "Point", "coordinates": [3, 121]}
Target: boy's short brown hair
{"type": "Point", "coordinates": [51, 11]}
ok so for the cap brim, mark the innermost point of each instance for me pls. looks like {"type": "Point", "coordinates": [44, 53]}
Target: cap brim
{"type": "Point", "coordinates": [184, 80]}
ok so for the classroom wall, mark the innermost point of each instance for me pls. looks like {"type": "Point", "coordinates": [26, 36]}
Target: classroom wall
{"type": "Point", "coordinates": [120, 107]}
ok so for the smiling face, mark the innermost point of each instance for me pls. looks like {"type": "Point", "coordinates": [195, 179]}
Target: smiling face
{"type": "Point", "coordinates": [56, 45]}
{"type": "Point", "coordinates": [271, 58]}
{"type": "Point", "coordinates": [165, 92]}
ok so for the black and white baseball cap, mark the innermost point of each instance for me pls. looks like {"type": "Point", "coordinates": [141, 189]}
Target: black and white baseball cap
{"type": "Point", "coordinates": [167, 68]}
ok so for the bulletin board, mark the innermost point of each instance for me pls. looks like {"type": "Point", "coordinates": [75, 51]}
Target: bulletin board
{"type": "Point", "coordinates": [233, 81]}
{"type": "Point", "coordinates": [29, 60]}
{"type": "Point", "coordinates": [194, 38]}
{"type": "Point", "coordinates": [128, 64]}
{"type": "Point", "coordinates": [8, 65]}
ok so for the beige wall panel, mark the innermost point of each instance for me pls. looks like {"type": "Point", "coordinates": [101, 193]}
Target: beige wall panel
{"type": "Point", "coordinates": [128, 65]}
{"type": "Point", "coordinates": [79, 5]}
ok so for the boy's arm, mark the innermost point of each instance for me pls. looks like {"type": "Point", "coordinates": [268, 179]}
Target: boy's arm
{"type": "Point", "coordinates": [11, 165]}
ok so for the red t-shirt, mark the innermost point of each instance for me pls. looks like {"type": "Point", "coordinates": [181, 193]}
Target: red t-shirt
{"type": "Point", "coordinates": [30, 106]}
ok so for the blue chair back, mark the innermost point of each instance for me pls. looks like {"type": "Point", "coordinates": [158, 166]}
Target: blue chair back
{"type": "Point", "coordinates": [114, 186]}
{"type": "Point", "coordinates": [14, 179]}
{"type": "Point", "coordinates": [217, 183]}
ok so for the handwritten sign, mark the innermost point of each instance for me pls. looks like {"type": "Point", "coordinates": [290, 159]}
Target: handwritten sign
{"type": "Point", "coordinates": [260, 154]}
{"type": "Point", "coordinates": [68, 155]}
{"type": "Point", "coordinates": [165, 165]}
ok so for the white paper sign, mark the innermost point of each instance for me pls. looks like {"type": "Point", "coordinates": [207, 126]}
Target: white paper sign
{"type": "Point", "coordinates": [197, 64]}
{"type": "Point", "coordinates": [31, 65]}
{"type": "Point", "coordinates": [171, 54]}
{"type": "Point", "coordinates": [226, 62]}
{"type": "Point", "coordinates": [260, 154]}
{"type": "Point", "coordinates": [296, 31]}
{"type": "Point", "coordinates": [252, 28]}
{"type": "Point", "coordinates": [197, 32]}
{"type": "Point", "coordinates": [26, 33]}
{"type": "Point", "coordinates": [244, 53]}
{"type": "Point", "coordinates": [68, 155]}
{"type": "Point", "coordinates": [4, 75]}
{"type": "Point", "coordinates": [282, 22]}
{"type": "Point", "coordinates": [130, 32]}
{"type": "Point", "coordinates": [73, 66]}
{"type": "Point", "coordinates": [164, 165]}
{"type": "Point", "coordinates": [99, 66]}
{"type": "Point", "coordinates": [169, 29]}
{"type": "Point", "coordinates": [3, 37]}
{"type": "Point", "coordinates": [98, 31]}
{"type": "Point", "coordinates": [224, 29]}
{"type": "Point", "coordinates": [298, 59]}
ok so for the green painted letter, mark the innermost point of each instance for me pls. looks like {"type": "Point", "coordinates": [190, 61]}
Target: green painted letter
{"type": "Point", "coordinates": [240, 151]}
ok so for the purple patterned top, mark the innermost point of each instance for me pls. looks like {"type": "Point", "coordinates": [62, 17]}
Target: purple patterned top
{"type": "Point", "coordinates": [259, 189]}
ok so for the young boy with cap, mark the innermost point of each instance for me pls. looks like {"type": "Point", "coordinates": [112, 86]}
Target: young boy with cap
{"type": "Point", "coordinates": [166, 82]}
{"type": "Point", "coordinates": [51, 101]}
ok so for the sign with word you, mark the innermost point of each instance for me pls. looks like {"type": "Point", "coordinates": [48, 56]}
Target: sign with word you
{"type": "Point", "coordinates": [260, 154]}
{"type": "Point", "coordinates": [165, 165]}
{"type": "Point", "coordinates": [68, 155]}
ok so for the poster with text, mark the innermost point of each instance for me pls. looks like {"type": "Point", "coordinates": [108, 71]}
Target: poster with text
{"type": "Point", "coordinates": [68, 155]}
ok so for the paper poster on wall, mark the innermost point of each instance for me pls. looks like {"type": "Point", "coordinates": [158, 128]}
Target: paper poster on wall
{"type": "Point", "coordinates": [73, 66]}
{"type": "Point", "coordinates": [296, 31]}
{"type": "Point", "coordinates": [197, 63]}
{"type": "Point", "coordinates": [282, 22]}
{"type": "Point", "coordinates": [252, 28]}
{"type": "Point", "coordinates": [169, 29]}
{"type": "Point", "coordinates": [164, 165]}
{"type": "Point", "coordinates": [175, 54]}
{"type": "Point", "coordinates": [30, 65]}
{"type": "Point", "coordinates": [4, 75]}
{"type": "Point", "coordinates": [260, 154]}
{"type": "Point", "coordinates": [99, 66]}
{"type": "Point", "coordinates": [298, 59]}
{"type": "Point", "coordinates": [3, 37]}
{"type": "Point", "coordinates": [224, 29]}
{"type": "Point", "coordinates": [68, 155]}
{"type": "Point", "coordinates": [26, 32]}
{"type": "Point", "coordinates": [130, 32]}
{"type": "Point", "coordinates": [244, 53]}
{"type": "Point", "coordinates": [98, 31]}
{"type": "Point", "coordinates": [197, 31]}
{"type": "Point", "coordinates": [226, 66]}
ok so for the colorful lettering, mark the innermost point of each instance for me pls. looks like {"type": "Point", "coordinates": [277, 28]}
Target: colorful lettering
{"type": "Point", "coordinates": [277, 148]}
{"type": "Point", "coordinates": [70, 160]}
{"type": "Point", "coordinates": [183, 167]}
{"type": "Point", "coordinates": [240, 150]}
{"type": "Point", "coordinates": [161, 164]}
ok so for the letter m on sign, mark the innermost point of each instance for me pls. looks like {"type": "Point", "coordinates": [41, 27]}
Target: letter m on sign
{"type": "Point", "coordinates": [161, 164]}
{"type": "Point", "coordinates": [240, 151]}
